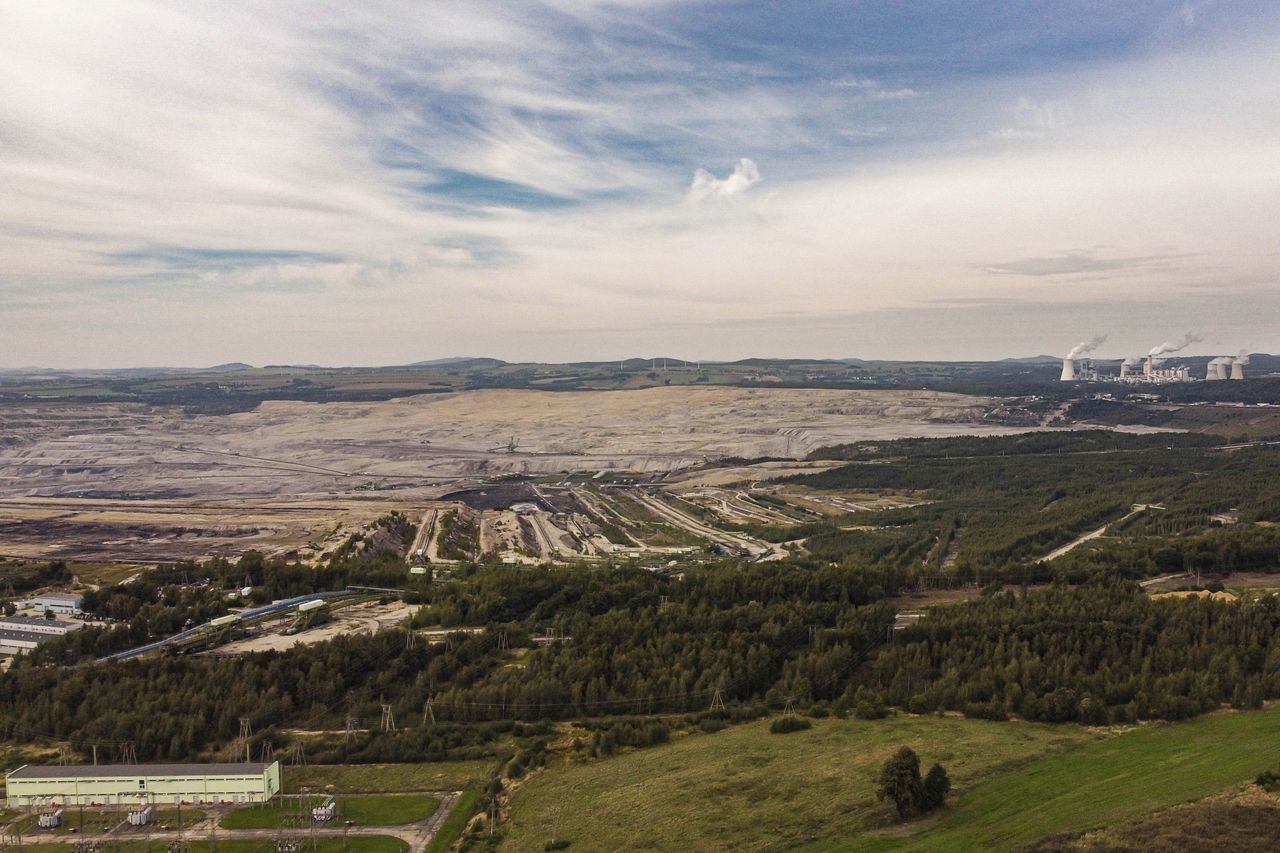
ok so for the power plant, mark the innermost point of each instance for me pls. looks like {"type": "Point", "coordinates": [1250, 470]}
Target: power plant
{"type": "Point", "coordinates": [1150, 368]}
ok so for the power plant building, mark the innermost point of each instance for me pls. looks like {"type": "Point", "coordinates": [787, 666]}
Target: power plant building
{"type": "Point", "coordinates": [142, 784]}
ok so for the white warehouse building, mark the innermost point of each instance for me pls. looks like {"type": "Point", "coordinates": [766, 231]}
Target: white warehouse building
{"type": "Point", "coordinates": [138, 784]}
{"type": "Point", "coordinates": [65, 603]}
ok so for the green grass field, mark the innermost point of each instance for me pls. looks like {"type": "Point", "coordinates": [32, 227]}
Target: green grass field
{"type": "Point", "coordinates": [372, 810]}
{"type": "Point", "coordinates": [746, 789]}
{"type": "Point", "coordinates": [387, 809]}
{"type": "Point", "coordinates": [387, 778]}
{"type": "Point", "coordinates": [1015, 783]}
{"type": "Point", "coordinates": [1103, 783]}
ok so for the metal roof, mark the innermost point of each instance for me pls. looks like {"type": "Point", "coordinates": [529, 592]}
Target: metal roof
{"type": "Point", "coordinates": [59, 596]}
{"type": "Point", "coordinates": [134, 771]}
{"type": "Point", "coordinates": [17, 621]}
{"type": "Point", "coordinates": [29, 636]}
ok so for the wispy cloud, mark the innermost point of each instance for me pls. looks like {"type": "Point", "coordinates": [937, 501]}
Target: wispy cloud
{"type": "Point", "coordinates": [1074, 263]}
{"type": "Point", "coordinates": [500, 167]}
{"type": "Point", "coordinates": [705, 185]}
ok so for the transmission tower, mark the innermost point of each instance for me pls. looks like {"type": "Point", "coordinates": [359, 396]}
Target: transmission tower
{"type": "Point", "coordinates": [553, 817]}
{"type": "Point", "coordinates": [503, 643]}
{"type": "Point", "coordinates": [296, 756]}
{"type": "Point", "coordinates": [245, 735]}
{"type": "Point", "coordinates": [349, 727]}
{"type": "Point", "coordinates": [388, 718]}
{"type": "Point", "coordinates": [128, 753]}
{"type": "Point", "coordinates": [717, 701]}
{"type": "Point", "coordinates": [428, 713]}
{"type": "Point", "coordinates": [790, 710]}
{"type": "Point", "coordinates": [268, 753]}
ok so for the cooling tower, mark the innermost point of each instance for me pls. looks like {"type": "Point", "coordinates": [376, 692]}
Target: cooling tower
{"type": "Point", "coordinates": [1237, 369]}
{"type": "Point", "coordinates": [1211, 372]}
{"type": "Point", "coordinates": [1068, 370]}
{"type": "Point", "coordinates": [1221, 368]}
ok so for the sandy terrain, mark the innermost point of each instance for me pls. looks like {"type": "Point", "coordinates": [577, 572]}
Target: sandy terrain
{"type": "Point", "coordinates": [119, 482]}
{"type": "Point", "coordinates": [358, 619]}
{"type": "Point", "coordinates": [149, 531]}
{"type": "Point", "coordinates": [289, 448]}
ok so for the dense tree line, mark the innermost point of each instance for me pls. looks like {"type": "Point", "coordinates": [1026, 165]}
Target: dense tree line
{"type": "Point", "coordinates": [622, 642]}
{"type": "Point", "coordinates": [1002, 513]}
{"type": "Point", "coordinates": [629, 642]}
{"type": "Point", "coordinates": [1100, 653]}
{"type": "Point", "coordinates": [18, 577]}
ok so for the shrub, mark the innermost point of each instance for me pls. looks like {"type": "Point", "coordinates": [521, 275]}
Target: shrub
{"type": "Point", "coordinates": [788, 724]}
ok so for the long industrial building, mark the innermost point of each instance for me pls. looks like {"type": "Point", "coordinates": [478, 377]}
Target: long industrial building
{"type": "Point", "coordinates": [19, 635]}
{"type": "Point", "coordinates": [136, 784]}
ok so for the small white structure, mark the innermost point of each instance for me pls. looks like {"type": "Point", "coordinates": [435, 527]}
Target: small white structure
{"type": "Point", "coordinates": [50, 820]}
{"type": "Point", "coordinates": [326, 812]}
{"type": "Point", "coordinates": [141, 817]}
{"type": "Point", "coordinates": [64, 603]}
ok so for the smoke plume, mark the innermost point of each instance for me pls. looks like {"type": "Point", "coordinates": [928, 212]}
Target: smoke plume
{"type": "Point", "coordinates": [1168, 346]}
{"type": "Point", "coordinates": [1243, 357]}
{"type": "Point", "coordinates": [1087, 346]}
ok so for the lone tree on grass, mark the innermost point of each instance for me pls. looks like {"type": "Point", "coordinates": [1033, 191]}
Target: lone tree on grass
{"type": "Point", "coordinates": [900, 782]}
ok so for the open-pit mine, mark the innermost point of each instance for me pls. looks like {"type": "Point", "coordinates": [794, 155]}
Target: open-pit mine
{"type": "Point", "coordinates": [609, 471]}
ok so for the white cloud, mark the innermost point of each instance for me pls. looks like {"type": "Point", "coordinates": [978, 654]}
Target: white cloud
{"type": "Point", "coordinates": [705, 185]}
{"type": "Point", "coordinates": [874, 90]}
{"type": "Point", "coordinates": [130, 125]}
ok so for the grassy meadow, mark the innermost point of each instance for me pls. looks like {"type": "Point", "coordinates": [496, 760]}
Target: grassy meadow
{"type": "Point", "coordinates": [1014, 784]}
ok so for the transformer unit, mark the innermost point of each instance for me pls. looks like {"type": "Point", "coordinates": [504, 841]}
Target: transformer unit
{"type": "Point", "coordinates": [326, 812]}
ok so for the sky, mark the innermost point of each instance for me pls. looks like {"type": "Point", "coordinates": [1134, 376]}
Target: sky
{"type": "Point", "coordinates": [191, 183]}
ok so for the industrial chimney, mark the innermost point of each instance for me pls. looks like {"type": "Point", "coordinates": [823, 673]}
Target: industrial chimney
{"type": "Point", "coordinates": [1068, 370]}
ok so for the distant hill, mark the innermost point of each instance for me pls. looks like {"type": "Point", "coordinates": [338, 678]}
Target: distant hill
{"type": "Point", "coordinates": [1034, 359]}
{"type": "Point", "coordinates": [459, 361]}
